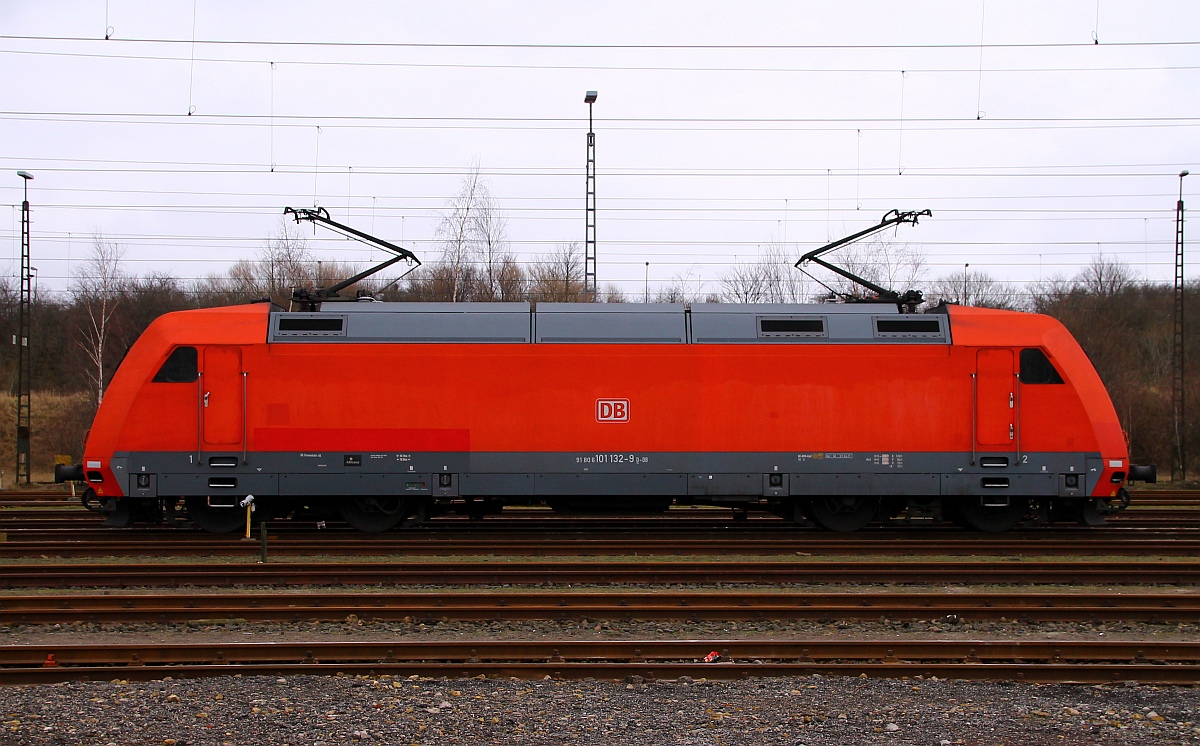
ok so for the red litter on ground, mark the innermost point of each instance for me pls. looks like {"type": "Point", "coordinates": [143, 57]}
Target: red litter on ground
{"type": "Point", "coordinates": [712, 657]}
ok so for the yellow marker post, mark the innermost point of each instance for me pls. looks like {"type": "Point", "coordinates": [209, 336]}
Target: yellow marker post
{"type": "Point", "coordinates": [248, 504]}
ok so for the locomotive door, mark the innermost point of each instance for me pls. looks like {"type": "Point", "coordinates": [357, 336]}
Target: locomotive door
{"type": "Point", "coordinates": [221, 398]}
{"type": "Point", "coordinates": [995, 400]}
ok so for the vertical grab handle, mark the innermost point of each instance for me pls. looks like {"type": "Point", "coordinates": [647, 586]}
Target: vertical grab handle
{"type": "Point", "coordinates": [974, 414]}
{"type": "Point", "coordinates": [199, 416]}
{"type": "Point", "coordinates": [1017, 418]}
{"type": "Point", "coordinates": [244, 407]}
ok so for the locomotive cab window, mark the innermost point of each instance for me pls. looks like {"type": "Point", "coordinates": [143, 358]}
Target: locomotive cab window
{"type": "Point", "coordinates": [309, 324]}
{"type": "Point", "coordinates": [1037, 368]}
{"type": "Point", "coordinates": [791, 326]}
{"type": "Point", "coordinates": [908, 327]}
{"type": "Point", "coordinates": [180, 367]}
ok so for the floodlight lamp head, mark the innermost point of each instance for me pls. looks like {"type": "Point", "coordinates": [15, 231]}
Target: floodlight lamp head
{"type": "Point", "coordinates": [589, 97]}
{"type": "Point", "coordinates": [1183, 173]}
{"type": "Point", "coordinates": [25, 175]}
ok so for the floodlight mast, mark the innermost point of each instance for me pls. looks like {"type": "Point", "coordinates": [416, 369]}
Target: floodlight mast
{"type": "Point", "coordinates": [311, 300]}
{"type": "Point", "coordinates": [909, 300]}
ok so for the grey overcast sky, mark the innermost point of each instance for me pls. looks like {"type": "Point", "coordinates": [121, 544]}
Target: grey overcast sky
{"type": "Point", "coordinates": [721, 127]}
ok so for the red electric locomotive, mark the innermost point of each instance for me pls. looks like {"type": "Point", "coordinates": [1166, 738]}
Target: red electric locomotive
{"type": "Point", "coordinates": [390, 412]}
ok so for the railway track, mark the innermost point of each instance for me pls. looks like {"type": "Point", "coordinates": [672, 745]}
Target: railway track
{"type": "Point", "coordinates": [1126, 606]}
{"type": "Point", "coordinates": [457, 540]}
{"type": "Point", "coordinates": [1059, 661]}
{"type": "Point", "coordinates": [507, 548]}
{"type": "Point", "coordinates": [71, 518]}
{"type": "Point", "coordinates": [64, 505]}
{"type": "Point", "coordinates": [69, 508]}
{"type": "Point", "coordinates": [599, 573]}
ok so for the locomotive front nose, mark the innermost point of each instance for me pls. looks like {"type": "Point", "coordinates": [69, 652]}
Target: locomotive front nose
{"type": "Point", "coordinates": [1147, 473]}
{"type": "Point", "coordinates": [68, 473]}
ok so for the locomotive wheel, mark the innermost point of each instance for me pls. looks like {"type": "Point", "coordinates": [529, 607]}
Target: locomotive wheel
{"type": "Point", "coordinates": [991, 518]}
{"type": "Point", "coordinates": [842, 513]}
{"type": "Point", "coordinates": [373, 514]}
{"type": "Point", "coordinates": [214, 520]}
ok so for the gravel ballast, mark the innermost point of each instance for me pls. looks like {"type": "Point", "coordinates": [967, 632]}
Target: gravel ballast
{"type": "Point", "coordinates": [809, 710]}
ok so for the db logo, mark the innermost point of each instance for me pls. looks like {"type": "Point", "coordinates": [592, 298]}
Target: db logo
{"type": "Point", "coordinates": [612, 410]}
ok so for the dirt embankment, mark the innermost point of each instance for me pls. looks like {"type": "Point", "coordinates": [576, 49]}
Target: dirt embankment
{"type": "Point", "coordinates": [58, 423]}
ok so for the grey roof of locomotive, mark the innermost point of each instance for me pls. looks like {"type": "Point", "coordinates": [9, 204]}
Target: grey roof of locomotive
{"type": "Point", "coordinates": [610, 323]}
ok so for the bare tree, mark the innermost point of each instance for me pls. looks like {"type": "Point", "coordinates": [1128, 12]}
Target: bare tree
{"type": "Point", "coordinates": [673, 292]}
{"type": "Point", "coordinates": [559, 277]}
{"type": "Point", "coordinates": [97, 290]}
{"type": "Point", "coordinates": [238, 283]}
{"type": "Point", "coordinates": [611, 293]}
{"type": "Point", "coordinates": [474, 243]}
{"type": "Point", "coordinates": [285, 262]}
{"type": "Point", "coordinates": [454, 233]}
{"type": "Point", "coordinates": [974, 288]}
{"type": "Point", "coordinates": [895, 266]}
{"type": "Point", "coordinates": [1106, 278]}
{"type": "Point", "coordinates": [489, 246]}
{"type": "Point", "coordinates": [771, 278]}
{"type": "Point", "coordinates": [1101, 281]}
{"type": "Point", "coordinates": [745, 282]}
{"type": "Point", "coordinates": [510, 280]}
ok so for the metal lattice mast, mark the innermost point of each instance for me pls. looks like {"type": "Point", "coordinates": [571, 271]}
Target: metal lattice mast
{"type": "Point", "coordinates": [24, 372]}
{"type": "Point", "coordinates": [1178, 391]}
{"type": "Point", "coordinates": [589, 241]}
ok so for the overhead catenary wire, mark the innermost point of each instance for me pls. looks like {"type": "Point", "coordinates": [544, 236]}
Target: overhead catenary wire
{"type": "Point", "coordinates": [485, 171]}
{"type": "Point", "coordinates": [970, 125]}
{"type": "Point", "coordinates": [1014, 201]}
{"type": "Point", "coordinates": [580, 45]}
{"type": "Point", "coordinates": [265, 119]}
{"type": "Point", "coordinates": [614, 68]}
{"type": "Point", "coordinates": [316, 170]}
{"type": "Point", "coordinates": [645, 201]}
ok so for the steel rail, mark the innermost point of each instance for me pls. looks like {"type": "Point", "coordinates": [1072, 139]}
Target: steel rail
{"type": "Point", "coordinates": [64, 489]}
{"type": "Point", "coordinates": [16, 544]}
{"type": "Point", "coordinates": [658, 604]}
{"type": "Point", "coordinates": [60, 516]}
{"type": "Point", "coordinates": [1041, 661]}
{"type": "Point", "coordinates": [439, 573]}
{"type": "Point", "coordinates": [71, 518]}
{"type": "Point", "coordinates": [26, 511]}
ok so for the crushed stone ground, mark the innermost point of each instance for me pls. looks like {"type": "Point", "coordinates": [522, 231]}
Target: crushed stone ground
{"type": "Point", "coordinates": [808, 711]}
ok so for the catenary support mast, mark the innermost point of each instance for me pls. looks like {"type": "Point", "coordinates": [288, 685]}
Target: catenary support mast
{"type": "Point", "coordinates": [24, 366]}
{"type": "Point", "coordinates": [1178, 391]}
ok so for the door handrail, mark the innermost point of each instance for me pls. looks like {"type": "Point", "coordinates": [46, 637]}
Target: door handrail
{"type": "Point", "coordinates": [974, 415]}
{"type": "Point", "coordinates": [199, 418]}
{"type": "Point", "coordinates": [245, 374]}
{"type": "Point", "coordinates": [1017, 415]}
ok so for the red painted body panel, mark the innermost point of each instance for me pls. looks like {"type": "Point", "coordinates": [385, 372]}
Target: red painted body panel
{"type": "Point", "coordinates": [542, 397]}
{"type": "Point", "coordinates": [137, 414]}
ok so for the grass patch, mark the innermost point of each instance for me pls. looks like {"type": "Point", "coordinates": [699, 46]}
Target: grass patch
{"type": "Point", "coordinates": [57, 423]}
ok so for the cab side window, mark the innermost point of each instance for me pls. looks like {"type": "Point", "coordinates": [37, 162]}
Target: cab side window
{"type": "Point", "coordinates": [1037, 368]}
{"type": "Point", "coordinates": [180, 367]}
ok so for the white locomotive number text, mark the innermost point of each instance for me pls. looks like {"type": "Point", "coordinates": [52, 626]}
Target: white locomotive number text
{"type": "Point", "coordinates": [613, 458]}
